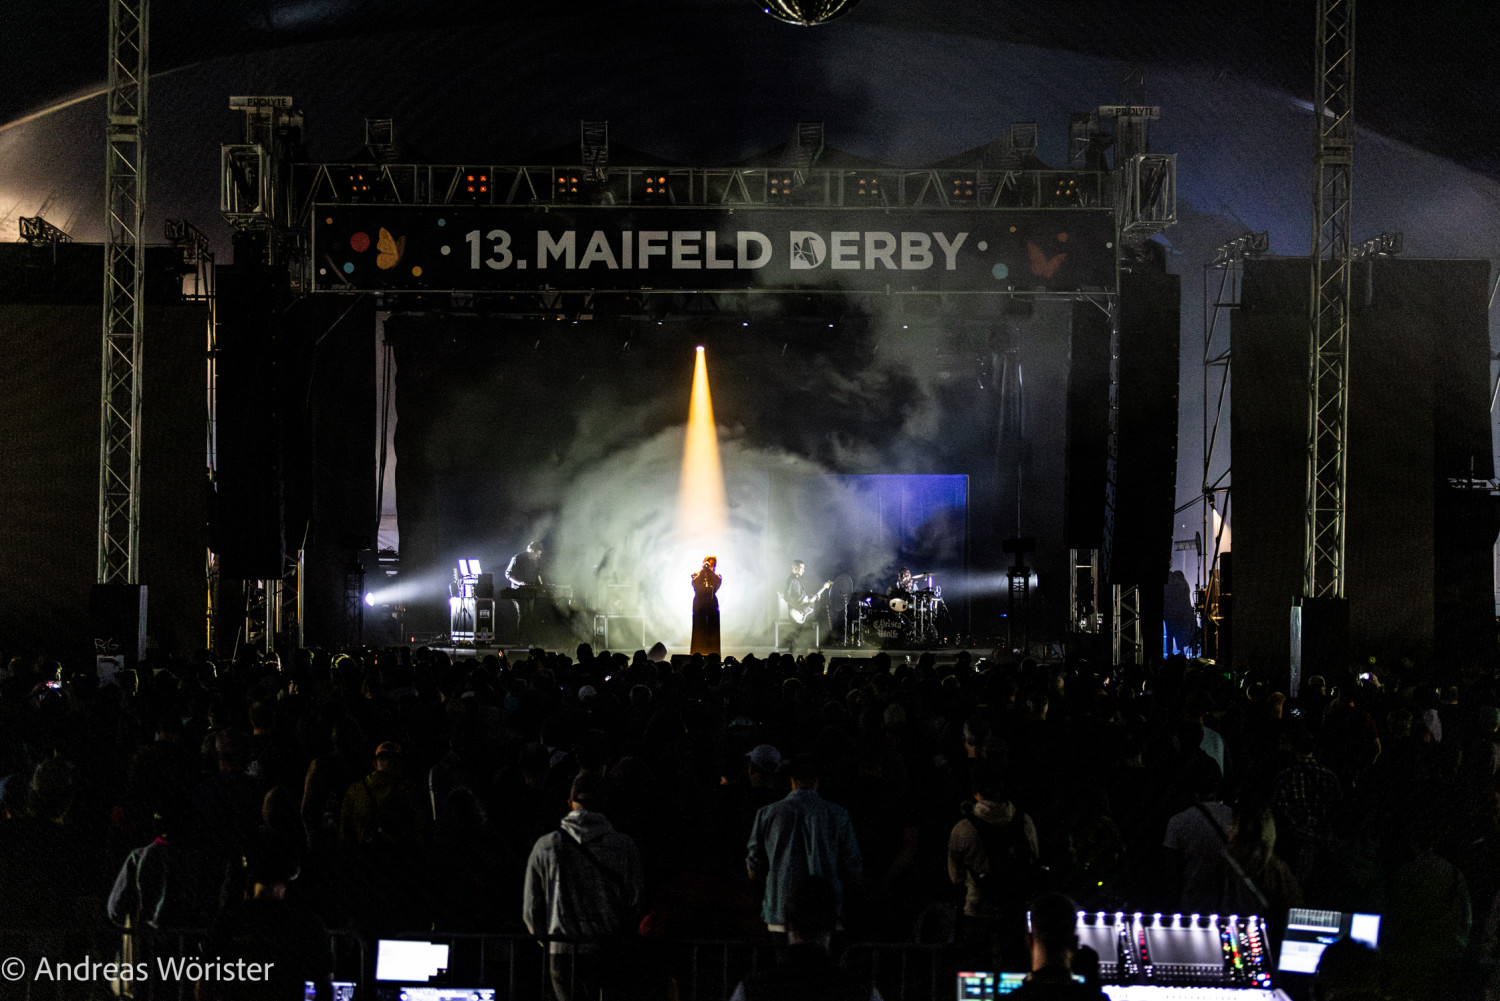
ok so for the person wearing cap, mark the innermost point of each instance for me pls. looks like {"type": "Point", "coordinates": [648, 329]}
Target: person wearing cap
{"type": "Point", "coordinates": [743, 790]}
{"type": "Point", "coordinates": [800, 835]}
{"type": "Point", "coordinates": [764, 762]}
{"type": "Point", "coordinates": [385, 807]}
{"type": "Point", "coordinates": [583, 886]}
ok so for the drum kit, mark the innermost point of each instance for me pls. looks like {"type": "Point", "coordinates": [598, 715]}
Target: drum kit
{"type": "Point", "coordinates": [900, 617]}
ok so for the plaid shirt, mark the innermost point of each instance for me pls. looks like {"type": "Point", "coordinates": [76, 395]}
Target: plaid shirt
{"type": "Point", "coordinates": [1304, 796]}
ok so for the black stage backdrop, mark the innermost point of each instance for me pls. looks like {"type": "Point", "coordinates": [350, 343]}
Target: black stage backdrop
{"type": "Point", "coordinates": [49, 474]}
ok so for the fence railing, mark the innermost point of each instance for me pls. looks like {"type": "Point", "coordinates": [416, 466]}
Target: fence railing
{"type": "Point", "coordinates": [104, 963]}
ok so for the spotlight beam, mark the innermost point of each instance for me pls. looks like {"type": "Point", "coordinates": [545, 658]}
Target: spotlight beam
{"type": "Point", "coordinates": [702, 504]}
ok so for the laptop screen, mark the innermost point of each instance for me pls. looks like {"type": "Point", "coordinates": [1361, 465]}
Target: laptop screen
{"type": "Point", "coordinates": [1309, 932]}
{"type": "Point", "coordinates": [974, 985]}
{"type": "Point", "coordinates": [411, 961]}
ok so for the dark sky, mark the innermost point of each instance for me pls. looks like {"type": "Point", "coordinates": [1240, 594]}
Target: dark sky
{"type": "Point", "coordinates": [711, 82]}
{"type": "Point", "coordinates": [1425, 72]}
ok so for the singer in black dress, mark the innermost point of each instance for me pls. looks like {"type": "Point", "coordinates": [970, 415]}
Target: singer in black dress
{"type": "Point", "coordinates": [706, 607]}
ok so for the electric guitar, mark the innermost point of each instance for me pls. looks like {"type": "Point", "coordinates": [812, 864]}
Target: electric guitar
{"type": "Point", "coordinates": [805, 608]}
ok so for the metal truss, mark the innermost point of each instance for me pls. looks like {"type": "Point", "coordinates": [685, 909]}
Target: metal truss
{"type": "Point", "coordinates": [1018, 608]}
{"type": "Point", "coordinates": [808, 146]}
{"type": "Point", "coordinates": [35, 230]}
{"type": "Point", "coordinates": [289, 617]}
{"type": "Point", "coordinates": [1329, 302]}
{"type": "Point", "coordinates": [354, 608]}
{"type": "Point", "coordinates": [124, 298]}
{"type": "Point", "coordinates": [1125, 641]}
{"type": "Point", "coordinates": [380, 139]}
{"type": "Point", "coordinates": [1083, 127]}
{"type": "Point", "coordinates": [1380, 245]}
{"type": "Point", "coordinates": [273, 609]}
{"type": "Point", "coordinates": [1112, 442]}
{"type": "Point", "coordinates": [1083, 591]}
{"type": "Point", "coordinates": [760, 187]}
{"type": "Point", "coordinates": [593, 147]}
{"type": "Point", "coordinates": [1229, 266]}
{"type": "Point", "coordinates": [256, 182]}
{"type": "Point", "coordinates": [1146, 202]}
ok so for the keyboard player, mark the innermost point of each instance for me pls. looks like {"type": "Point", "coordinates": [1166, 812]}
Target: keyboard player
{"type": "Point", "coordinates": [525, 568]}
{"type": "Point", "coordinates": [523, 578]}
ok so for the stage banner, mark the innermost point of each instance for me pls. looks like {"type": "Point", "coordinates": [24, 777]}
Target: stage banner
{"type": "Point", "coordinates": [507, 248]}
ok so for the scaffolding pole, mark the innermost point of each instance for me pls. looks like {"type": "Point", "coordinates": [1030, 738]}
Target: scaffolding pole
{"type": "Point", "coordinates": [124, 298]}
{"type": "Point", "coordinates": [1328, 309]}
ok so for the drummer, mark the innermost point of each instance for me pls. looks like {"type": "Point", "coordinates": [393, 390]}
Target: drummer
{"type": "Point", "coordinates": [901, 594]}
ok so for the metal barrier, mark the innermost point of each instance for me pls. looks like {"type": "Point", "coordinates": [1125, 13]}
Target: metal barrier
{"type": "Point", "coordinates": [523, 969]}
{"type": "Point", "coordinates": [99, 962]}
{"type": "Point", "coordinates": [904, 971]}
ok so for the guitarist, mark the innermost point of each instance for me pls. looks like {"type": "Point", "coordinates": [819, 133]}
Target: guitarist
{"type": "Point", "coordinates": [804, 606]}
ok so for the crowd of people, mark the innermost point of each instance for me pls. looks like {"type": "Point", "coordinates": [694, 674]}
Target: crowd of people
{"type": "Point", "coordinates": [653, 798]}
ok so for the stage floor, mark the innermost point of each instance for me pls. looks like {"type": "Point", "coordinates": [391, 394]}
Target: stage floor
{"type": "Point", "coordinates": [946, 654]}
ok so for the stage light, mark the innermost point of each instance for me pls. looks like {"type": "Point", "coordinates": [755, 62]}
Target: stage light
{"type": "Point", "coordinates": [702, 503]}
{"type": "Point", "coordinates": [568, 186]}
{"type": "Point", "coordinates": [807, 13]}
{"type": "Point", "coordinates": [963, 191]}
{"type": "Point", "coordinates": [476, 183]}
{"type": "Point", "coordinates": [370, 598]}
{"type": "Point", "coordinates": [1067, 191]}
{"type": "Point", "coordinates": [656, 187]}
{"type": "Point", "coordinates": [867, 188]}
{"type": "Point", "coordinates": [781, 187]}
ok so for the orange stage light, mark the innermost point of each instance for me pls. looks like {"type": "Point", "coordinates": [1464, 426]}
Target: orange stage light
{"type": "Point", "coordinates": [702, 504]}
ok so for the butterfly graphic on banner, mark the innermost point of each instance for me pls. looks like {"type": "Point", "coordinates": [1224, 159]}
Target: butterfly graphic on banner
{"type": "Point", "coordinates": [389, 250]}
{"type": "Point", "coordinates": [1041, 265]}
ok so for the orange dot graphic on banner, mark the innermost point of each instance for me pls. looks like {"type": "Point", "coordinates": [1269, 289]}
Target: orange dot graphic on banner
{"type": "Point", "coordinates": [359, 242]}
{"type": "Point", "coordinates": [416, 272]}
{"type": "Point", "coordinates": [1062, 238]}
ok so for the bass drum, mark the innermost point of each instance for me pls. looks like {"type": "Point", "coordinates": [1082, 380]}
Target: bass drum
{"type": "Point", "coordinates": [883, 629]}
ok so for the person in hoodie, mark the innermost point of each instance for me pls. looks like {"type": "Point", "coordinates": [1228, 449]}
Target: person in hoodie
{"type": "Point", "coordinates": [993, 855]}
{"type": "Point", "coordinates": [583, 886]}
